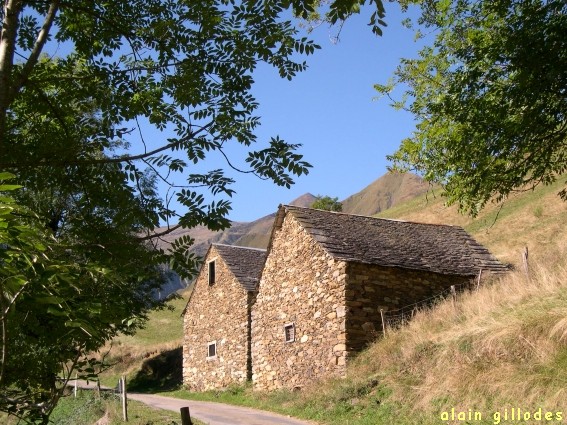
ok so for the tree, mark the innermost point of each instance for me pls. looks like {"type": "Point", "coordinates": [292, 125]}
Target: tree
{"type": "Point", "coordinates": [327, 203]}
{"type": "Point", "coordinates": [80, 259]}
{"type": "Point", "coordinates": [490, 98]}
{"type": "Point", "coordinates": [55, 308]}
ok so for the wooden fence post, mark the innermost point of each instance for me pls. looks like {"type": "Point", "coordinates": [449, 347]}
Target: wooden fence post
{"type": "Point", "coordinates": [185, 416]}
{"type": "Point", "coordinates": [453, 295]}
{"type": "Point", "coordinates": [124, 399]}
{"type": "Point", "coordinates": [383, 322]}
{"type": "Point", "coordinates": [478, 280]}
{"type": "Point", "coordinates": [525, 262]}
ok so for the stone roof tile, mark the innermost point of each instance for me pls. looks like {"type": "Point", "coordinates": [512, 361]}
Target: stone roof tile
{"type": "Point", "coordinates": [394, 243]}
{"type": "Point", "coordinates": [245, 263]}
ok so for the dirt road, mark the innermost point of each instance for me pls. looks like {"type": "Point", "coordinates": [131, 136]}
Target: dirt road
{"type": "Point", "coordinates": [208, 412]}
{"type": "Point", "coordinates": [217, 413]}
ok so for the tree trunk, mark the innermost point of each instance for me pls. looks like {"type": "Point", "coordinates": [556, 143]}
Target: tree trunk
{"type": "Point", "coordinates": [12, 10]}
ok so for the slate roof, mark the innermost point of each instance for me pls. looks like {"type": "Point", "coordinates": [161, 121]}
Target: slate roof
{"type": "Point", "coordinates": [393, 243]}
{"type": "Point", "coordinates": [245, 263]}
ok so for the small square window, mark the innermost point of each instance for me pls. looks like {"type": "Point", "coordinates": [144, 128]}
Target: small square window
{"type": "Point", "coordinates": [212, 273]}
{"type": "Point", "coordinates": [212, 349]}
{"type": "Point", "coordinates": [289, 331]}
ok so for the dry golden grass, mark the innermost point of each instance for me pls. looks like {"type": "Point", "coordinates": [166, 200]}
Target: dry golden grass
{"type": "Point", "coordinates": [126, 359]}
{"type": "Point", "coordinates": [535, 219]}
{"type": "Point", "coordinates": [503, 345]}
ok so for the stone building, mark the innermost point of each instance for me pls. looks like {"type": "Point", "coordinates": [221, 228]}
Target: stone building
{"type": "Point", "coordinates": [326, 277]}
{"type": "Point", "coordinates": [216, 347]}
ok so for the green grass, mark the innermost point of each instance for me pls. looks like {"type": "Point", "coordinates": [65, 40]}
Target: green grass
{"type": "Point", "coordinates": [163, 327]}
{"type": "Point", "coordinates": [86, 409]}
{"type": "Point", "coordinates": [360, 405]}
{"type": "Point", "coordinates": [141, 354]}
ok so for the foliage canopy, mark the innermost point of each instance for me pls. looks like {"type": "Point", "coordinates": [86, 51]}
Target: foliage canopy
{"type": "Point", "coordinates": [327, 203]}
{"type": "Point", "coordinates": [489, 95]}
{"type": "Point", "coordinates": [57, 303]}
{"type": "Point", "coordinates": [79, 247]}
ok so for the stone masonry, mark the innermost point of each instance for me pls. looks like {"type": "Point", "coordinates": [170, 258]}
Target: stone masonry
{"type": "Point", "coordinates": [301, 285]}
{"type": "Point", "coordinates": [299, 311]}
{"type": "Point", "coordinates": [329, 274]}
{"type": "Point", "coordinates": [371, 288]}
{"type": "Point", "coordinates": [220, 313]}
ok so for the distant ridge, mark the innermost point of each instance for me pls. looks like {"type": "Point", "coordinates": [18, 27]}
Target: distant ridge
{"type": "Point", "coordinates": [252, 234]}
{"type": "Point", "coordinates": [305, 200]}
{"type": "Point", "coordinates": [259, 230]}
{"type": "Point", "coordinates": [389, 190]}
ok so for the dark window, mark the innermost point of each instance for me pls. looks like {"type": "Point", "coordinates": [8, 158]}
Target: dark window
{"type": "Point", "coordinates": [212, 349]}
{"type": "Point", "coordinates": [212, 273]}
{"type": "Point", "coordinates": [289, 331]}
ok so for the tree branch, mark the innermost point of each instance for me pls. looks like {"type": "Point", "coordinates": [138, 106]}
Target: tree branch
{"type": "Point", "coordinates": [36, 51]}
{"type": "Point", "coordinates": [158, 235]}
{"type": "Point", "coordinates": [114, 160]}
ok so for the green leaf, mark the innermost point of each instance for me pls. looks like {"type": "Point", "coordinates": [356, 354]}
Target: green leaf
{"type": "Point", "coordinates": [51, 299]}
{"type": "Point", "coordinates": [6, 176]}
{"type": "Point", "coordinates": [9, 187]}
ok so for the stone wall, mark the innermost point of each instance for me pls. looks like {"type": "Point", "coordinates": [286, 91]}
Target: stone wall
{"type": "Point", "coordinates": [216, 313]}
{"type": "Point", "coordinates": [334, 307]}
{"type": "Point", "coordinates": [301, 285]}
{"type": "Point", "coordinates": [371, 288]}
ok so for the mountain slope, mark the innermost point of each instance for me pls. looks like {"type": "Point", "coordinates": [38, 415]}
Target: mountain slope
{"type": "Point", "coordinates": [389, 190]}
{"type": "Point", "coordinates": [258, 232]}
{"type": "Point", "coordinates": [253, 234]}
{"type": "Point", "coordinates": [534, 219]}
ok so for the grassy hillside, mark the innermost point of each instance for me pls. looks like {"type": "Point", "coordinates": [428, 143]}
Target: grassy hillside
{"type": "Point", "coordinates": [142, 356]}
{"type": "Point", "coordinates": [502, 347]}
{"type": "Point", "coordinates": [253, 234]}
{"type": "Point", "coordinates": [89, 409]}
{"type": "Point", "coordinates": [536, 219]}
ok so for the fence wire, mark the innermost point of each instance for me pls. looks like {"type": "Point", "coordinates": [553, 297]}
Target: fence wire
{"type": "Point", "coordinates": [396, 318]}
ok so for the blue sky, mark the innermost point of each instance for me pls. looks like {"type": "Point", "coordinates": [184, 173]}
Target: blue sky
{"type": "Point", "coordinates": [331, 109]}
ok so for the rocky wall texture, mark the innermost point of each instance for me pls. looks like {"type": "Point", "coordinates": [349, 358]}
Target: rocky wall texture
{"type": "Point", "coordinates": [303, 286]}
{"type": "Point", "coordinates": [371, 288]}
{"type": "Point", "coordinates": [217, 313]}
